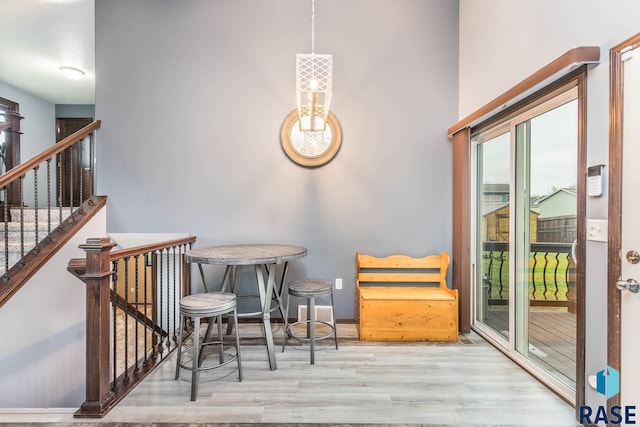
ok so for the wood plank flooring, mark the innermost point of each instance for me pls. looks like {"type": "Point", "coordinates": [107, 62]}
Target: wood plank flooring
{"type": "Point", "coordinates": [453, 384]}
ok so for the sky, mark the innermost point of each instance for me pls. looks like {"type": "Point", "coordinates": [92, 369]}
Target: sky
{"type": "Point", "coordinates": [554, 147]}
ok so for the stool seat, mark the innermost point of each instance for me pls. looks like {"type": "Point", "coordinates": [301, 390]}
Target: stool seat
{"type": "Point", "coordinates": [310, 289]}
{"type": "Point", "coordinates": [211, 305]}
{"type": "Point", "coordinates": [208, 304]}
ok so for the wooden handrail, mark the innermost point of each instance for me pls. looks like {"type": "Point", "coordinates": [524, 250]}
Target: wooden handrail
{"type": "Point", "coordinates": [143, 249]}
{"type": "Point", "coordinates": [77, 266]}
{"type": "Point", "coordinates": [5, 126]}
{"type": "Point", "coordinates": [20, 170]}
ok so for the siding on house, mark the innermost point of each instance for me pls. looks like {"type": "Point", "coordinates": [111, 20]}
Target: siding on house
{"type": "Point", "coordinates": [560, 203]}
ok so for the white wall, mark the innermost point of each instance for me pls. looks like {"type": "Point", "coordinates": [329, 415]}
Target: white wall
{"type": "Point", "coordinates": [45, 322]}
{"type": "Point", "coordinates": [504, 41]}
{"type": "Point", "coordinates": [192, 95]}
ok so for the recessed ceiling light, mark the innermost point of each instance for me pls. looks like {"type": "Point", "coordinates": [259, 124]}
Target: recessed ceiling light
{"type": "Point", "coordinates": [72, 73]}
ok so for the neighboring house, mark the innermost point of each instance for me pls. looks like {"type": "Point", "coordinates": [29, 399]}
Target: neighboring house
{"type": "Point", "coordinates": [561, 202]}
{"type": "Point", "coordinates": [558, 221]}
{"type": "Point", "coordinates": [495, 193]}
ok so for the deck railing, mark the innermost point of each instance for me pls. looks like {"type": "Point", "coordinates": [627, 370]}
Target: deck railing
{"type": "Point", "coordinates": [132, 314]}
{"type": "Point", "coordinates": [551, 274]}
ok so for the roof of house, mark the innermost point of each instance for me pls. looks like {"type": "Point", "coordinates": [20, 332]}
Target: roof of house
{"type": "Point", "coordinates": [489, 208]}
{"type": "Point", "coordinates": [495, 188]}
{"type": "Point", "coordinates": [570, 191]}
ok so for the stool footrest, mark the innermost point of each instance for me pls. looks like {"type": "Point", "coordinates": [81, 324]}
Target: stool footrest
{"type": "Point", "coordinates": [304, 322]}
{"type": "Point", "coordinates": [231, 356]}
{"type": "Point", "coordinates": [309, 289]}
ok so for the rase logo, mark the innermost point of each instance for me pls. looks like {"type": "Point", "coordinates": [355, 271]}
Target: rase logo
{"type": "Point", "coordinates": [608, 384]}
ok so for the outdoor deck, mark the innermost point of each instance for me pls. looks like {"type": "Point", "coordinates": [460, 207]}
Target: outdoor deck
{"type": "Point", "coordinates": [552, 337]}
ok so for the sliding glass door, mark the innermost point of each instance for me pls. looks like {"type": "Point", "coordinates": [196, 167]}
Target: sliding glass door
{"type": "Point", "coordinates": [493, 230]}
{"type": "Point", "coordinates": [525, 222]}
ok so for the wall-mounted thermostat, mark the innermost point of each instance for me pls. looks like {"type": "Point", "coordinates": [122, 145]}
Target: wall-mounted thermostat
{"type": "Point", "coordinates": [594, 181]}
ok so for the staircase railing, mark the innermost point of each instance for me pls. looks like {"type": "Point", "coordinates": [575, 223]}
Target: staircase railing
{"type": "Point", "coordinates": [34, 247]}
{"type": "Point", "coordinates": [132, 314]}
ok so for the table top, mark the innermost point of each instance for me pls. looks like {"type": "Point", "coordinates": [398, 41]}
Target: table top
{"type": "Point", "coordinates": [245, 254]}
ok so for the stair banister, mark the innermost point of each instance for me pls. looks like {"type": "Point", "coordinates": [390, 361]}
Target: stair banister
{"type": "Point", "coordinates": [97, 277]}
{"type": "Point", "coordinates": [99, 272]}
{"type": "Point", "coordinates": [14, 276]}
{"type": "Point", "coordinates": [20, 170]}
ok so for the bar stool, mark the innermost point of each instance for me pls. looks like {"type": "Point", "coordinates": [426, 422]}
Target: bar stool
{"type": "Point", "coordinates": [309, 289]}
{"type": "Point", "coordinates": [211, 305]}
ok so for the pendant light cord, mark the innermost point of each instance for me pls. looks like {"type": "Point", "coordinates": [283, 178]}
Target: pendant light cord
{"type": "Point", "coordinates": [313, 26]}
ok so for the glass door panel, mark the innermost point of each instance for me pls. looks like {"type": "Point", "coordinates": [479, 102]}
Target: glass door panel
{"type": "Point", "coordinates": [493, 232]}
{"type": "Point", "coordinates": [547, 149]}
{"type": "Point", "coordinates": [525, 227]}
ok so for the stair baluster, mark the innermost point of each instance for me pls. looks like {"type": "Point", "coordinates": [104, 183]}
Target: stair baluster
{"type": "Point", "coordinates": [35, 204]}
{"type": "Point", "coordinates": [136, 259]}
{"type": "Point", "coordinates": [114, 366]}
{"type": "Point", "coordinates": [126, 378]}
{"type": "Point", "coordinates": [81, 173]}
{"type": "Point", "coordinates": [48, 200]}
{"type": "Point", "coordinates": [5, 276]}
{"type": "Point", "coordinates": [71, 184]}
{"type": "Point", "coordinates": [21, 263]}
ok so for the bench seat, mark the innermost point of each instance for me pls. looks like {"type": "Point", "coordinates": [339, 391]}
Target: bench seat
{"type": "Point", "coordinates": [405, 293]}
{"type": "Point", "coordinates": [388, 311]}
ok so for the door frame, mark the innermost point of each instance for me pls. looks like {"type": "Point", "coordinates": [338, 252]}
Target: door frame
{"type": "Point", "coordinates": [460, 132]}
{"type": "Point", "coordinates": [12, 146]}
{"type": "Point", "coordinates": [70, 169]}
{"type": "Point", "coordinates": [614, 306]}
{"type": "Point", "coordinates": [531, 107]}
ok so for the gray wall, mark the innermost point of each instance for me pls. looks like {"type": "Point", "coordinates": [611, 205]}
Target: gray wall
{"type": "Point", "coordinates": [38, 133]}
{"type": "Point", "coordinates": [75, 110]}
{"type": "Point", "coordinates": [38, 126]}
{"type": "Point", "coordinates": [192, 95]}
{"type": "Point", "coordinates": [538, 32]}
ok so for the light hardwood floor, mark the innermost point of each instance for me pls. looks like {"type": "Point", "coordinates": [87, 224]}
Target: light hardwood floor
{"type": "Point", "coordinates": [457, 384]}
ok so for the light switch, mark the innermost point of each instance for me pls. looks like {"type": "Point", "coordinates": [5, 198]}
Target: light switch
{"type": "Point", "coordinates": [597, 230]}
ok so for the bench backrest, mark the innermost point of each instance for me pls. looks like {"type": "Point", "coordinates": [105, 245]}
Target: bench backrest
{"type": "Point", "coordinates": [402, 269]}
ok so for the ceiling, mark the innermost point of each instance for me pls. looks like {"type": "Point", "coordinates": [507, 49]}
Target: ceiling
{"type": "Point", "coordinates": [37, 37]}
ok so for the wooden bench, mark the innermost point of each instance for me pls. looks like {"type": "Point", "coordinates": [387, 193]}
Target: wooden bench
{"type": "Point", "coordinates": [398, 301]}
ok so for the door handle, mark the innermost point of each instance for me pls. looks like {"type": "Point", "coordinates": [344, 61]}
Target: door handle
{"type": "Point", "coordinates": [631, 285]}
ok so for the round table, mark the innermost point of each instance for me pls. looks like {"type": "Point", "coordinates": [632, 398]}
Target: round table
{"type": "Point", "coordinates": [264, 257]}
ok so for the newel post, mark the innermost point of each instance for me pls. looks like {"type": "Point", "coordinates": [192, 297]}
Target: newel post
{"type": "Point", "coordinates": [98, 280]}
